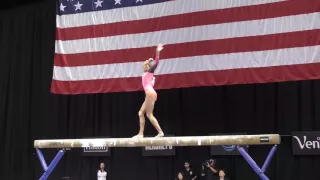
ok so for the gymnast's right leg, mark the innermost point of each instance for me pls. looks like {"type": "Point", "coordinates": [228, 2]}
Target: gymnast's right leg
{"type": "Point", "coordinates": [142, 121]}
{"type": "Point", "coordinates": [149, 110]}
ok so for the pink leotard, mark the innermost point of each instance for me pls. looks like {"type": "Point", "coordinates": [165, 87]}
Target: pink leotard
{"type": "Point", "coordinates": [147, 81]}
{"type": "Point", "coordinates": [148, 77]}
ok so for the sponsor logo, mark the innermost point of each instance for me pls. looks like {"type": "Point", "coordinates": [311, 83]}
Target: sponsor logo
{"type": "Point", "coordinates": [304, 143]}
{"type": "Point", "coordinates": [264, 139]}
{"type": "Point", "coordinates": [148, 148]}
{"type": "Point", "coordinates": [158, 151]}
{"type": "Point", "coordinates": [96, 149]}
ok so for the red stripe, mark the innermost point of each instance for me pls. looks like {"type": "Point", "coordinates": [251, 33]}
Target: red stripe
{"type": "Point", "coordinates": [211, 78]}
{"type": "Point", "coordinates": [270, 10]}
{"type": "Point", "coordinates": [242, 44]}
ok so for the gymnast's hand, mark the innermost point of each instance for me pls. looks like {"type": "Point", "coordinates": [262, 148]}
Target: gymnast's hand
{"type": "Point", "coordinates": [159, 48]}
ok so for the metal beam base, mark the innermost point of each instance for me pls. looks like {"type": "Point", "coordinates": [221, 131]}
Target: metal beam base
{"type": "Point", "coordinates": [253, 164]}
{"type": "Point", "coordinates": [260, 171]}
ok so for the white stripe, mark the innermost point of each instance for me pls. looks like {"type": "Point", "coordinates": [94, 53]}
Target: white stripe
{"type": "Point", "coordinates": [151, 11]}
{"type": "Point", "coordinates": [192, 34]}
{"type": "Point", "coordinates": [256, 59]}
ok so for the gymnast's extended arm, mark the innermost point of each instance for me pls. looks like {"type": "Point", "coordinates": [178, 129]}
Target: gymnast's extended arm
{"type": "Point", "coordinates": [156, 61]}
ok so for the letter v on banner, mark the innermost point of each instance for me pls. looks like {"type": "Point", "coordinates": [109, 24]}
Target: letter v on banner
{"type": "Point", "coordinates": [306, 142]}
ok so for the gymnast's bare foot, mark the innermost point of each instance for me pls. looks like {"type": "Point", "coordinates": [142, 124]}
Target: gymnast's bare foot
{"type": "Point", "coordinates": [138, 136]}
{"type": "Point", "coordinates": [160, 134]}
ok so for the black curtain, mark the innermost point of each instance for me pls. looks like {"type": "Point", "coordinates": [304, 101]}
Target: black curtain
{"type": "Point", "coordinates": [28, 111]}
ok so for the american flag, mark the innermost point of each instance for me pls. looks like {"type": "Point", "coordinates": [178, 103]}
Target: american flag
{"type": "Point", "coordinates": [101, 44]}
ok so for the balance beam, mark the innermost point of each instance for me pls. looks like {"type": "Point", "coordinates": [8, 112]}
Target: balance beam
{"type": "Point", "coordinates": [163, 141]}
{"type": "Point", "coordinates": [239, 140]}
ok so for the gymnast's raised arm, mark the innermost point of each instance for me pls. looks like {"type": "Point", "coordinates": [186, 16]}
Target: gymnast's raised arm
{"type": "Point", "coordinates": [156, 61]}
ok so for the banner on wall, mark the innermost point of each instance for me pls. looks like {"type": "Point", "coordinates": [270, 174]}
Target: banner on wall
{"type": "Point", "coordinates": [306, 142]}
{"type": "Point", "coordinates": [159, 150]}
{"type": "Point", "coordinates": [96, 151]}
{"type": "Point", "coordinates": [228, 150]}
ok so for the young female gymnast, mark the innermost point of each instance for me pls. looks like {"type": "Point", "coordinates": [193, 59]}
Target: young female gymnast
{"type": "Point", "coordinates": [149, 66]}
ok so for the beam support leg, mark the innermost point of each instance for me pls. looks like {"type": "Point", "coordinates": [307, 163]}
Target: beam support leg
{"type": "Point", "coordinates": [48, 169]}
{"type": "Point", "coordinates": [254, 165]}
{"type": "Point", "coordinates": [268, 160]}
{"type": "Point", "coordinates": [42, 160]}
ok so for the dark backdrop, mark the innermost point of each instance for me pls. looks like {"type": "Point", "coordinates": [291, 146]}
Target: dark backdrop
{"type": "Point", "coordinates": [28, 111]}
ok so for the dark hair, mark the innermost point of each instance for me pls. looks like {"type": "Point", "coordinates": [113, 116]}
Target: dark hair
{"type": "Point", "coordinates": [222, 170]}
{"type": "Point", "coordinates": [178, 175]}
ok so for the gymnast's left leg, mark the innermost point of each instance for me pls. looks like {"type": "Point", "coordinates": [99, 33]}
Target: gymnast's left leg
{"type": "Point", "coordinates": [149, 110]}
{"type": "Point", "coordinates": [141, 120]}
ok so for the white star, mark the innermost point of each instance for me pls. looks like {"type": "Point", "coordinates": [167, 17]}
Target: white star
{"type": "Point", "coordinates": [62, 7]}
{"type": "Point", "coordinates": [117, 2]}
{"type": "Point", "coordinates": [139, 1]}
{"type": "Point", "coordinates": [98, 3]}
{"type": "Point", "coordinates": [78, 6]}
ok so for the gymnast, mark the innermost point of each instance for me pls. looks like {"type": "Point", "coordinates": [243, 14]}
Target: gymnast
{"type": "Point", "coordinates": [148, 79]}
